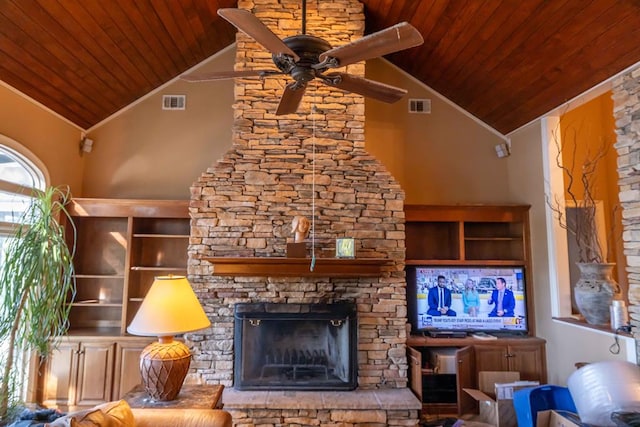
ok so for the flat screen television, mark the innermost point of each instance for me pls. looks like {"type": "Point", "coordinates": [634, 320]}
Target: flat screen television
{"type": "Point", "coordinates": [485, 317]}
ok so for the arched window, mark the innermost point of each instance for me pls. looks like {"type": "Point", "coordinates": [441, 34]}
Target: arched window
{"type": "Point", "coordinates": [19, 176]}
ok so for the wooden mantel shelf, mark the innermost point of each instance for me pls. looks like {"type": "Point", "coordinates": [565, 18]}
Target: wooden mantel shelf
{"type": "Point", "coordinates": [297, 267]}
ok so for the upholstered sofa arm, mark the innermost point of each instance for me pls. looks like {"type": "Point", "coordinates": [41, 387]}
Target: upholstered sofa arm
{"type": "Point", "coordinates": [172, 417]}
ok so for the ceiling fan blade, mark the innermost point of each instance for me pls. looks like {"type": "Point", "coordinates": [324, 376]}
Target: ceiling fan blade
{"type": "Point", "coordinates": [224, 75]}
{"type": "Point", "coordinates": [249, 24]}
{"type": "Point", "coordinates": [291, 98]}
{"type": "Point", "coordinates": [369, 88]}
{"type": "Point", "coordinates": [399, 37]}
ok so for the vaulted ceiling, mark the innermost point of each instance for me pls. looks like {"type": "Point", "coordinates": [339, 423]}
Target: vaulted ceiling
{"type": "Point", "coordinates": [505, 61]}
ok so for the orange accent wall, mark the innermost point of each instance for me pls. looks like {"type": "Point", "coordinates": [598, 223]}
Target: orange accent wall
{"type": "Point", "coordinates": [588, 127]}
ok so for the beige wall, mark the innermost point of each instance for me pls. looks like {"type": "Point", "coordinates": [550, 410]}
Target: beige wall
{"type": "Point", "coordinates": [53, 141]}
{"type": "Point", "coordinates": [145, 152]}
{"type": "Point", "coordinates": [442, 157]}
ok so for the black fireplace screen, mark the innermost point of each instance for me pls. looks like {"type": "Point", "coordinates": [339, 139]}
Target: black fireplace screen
{"type": "Point", "coordinates": [295, 346]}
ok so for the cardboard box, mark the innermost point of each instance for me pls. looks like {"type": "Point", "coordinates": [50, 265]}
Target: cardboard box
{"type": "Point", "coordinates": [487, 380]}
{"type": "Point", "coordinates": [495, 397]}
{"type": "Point", "coordinates": [553, 418]}
{"type": "Point", "coordinates": [443, 360]}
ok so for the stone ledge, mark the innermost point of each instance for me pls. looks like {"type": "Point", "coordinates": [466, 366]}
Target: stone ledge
{"type": "Point", "coordinates": [383, 399]}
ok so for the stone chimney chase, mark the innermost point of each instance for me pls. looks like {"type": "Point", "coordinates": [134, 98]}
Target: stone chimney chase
{"type": "Point", "coordinates": [314, 164]}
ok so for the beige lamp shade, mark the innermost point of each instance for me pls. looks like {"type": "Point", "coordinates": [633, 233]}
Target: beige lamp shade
{"type": "Point", "coordinates": [170, 308]}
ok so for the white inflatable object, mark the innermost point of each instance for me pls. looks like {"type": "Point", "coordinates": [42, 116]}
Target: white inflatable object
{"type": "Point", "coordinates": [600, 388]}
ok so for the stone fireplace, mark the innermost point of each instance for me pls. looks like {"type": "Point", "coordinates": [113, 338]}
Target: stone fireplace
{"type": "Point", "coordinates": [313, 164]}
{"type": "Point", "coordinates": [295, 346]}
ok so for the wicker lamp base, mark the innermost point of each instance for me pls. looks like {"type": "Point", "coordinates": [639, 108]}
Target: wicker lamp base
{"type": "Point", "coordinates": [164, 366]}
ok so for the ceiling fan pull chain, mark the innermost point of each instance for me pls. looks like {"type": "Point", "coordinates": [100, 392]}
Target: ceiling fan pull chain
{"type": "Point", "coordinates": [313, 184]}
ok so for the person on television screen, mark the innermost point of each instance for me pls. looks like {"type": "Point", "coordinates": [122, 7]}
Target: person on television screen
{"type": "Point", "coordinates": [504, 300]}
{"type": "Point", "coordinates": [439, 299]}
{"type": "Point", "coordinates": [471, 298]}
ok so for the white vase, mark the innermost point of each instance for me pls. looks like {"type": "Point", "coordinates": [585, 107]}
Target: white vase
{"type": "Point", "coordinates": [594, 291]}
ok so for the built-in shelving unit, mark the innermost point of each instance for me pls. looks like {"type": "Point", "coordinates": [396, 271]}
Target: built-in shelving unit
{"type": "Point", "coordinates": [470, 235]}
{"type": "Point", "coordinates": [297, 267]}
{"type": "Point", "coordinates": [121, 245]}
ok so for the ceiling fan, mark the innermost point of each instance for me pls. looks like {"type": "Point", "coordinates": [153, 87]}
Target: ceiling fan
{"type": "Point", "coordinates": [304, 58]}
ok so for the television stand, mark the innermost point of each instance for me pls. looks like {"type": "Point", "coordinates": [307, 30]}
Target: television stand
{"type": "Point", "coordinates": [447, 334]}
{"type": "Point", "coordinates": [522, 354]}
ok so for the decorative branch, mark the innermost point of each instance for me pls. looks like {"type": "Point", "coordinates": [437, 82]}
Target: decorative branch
{"type": "Point", "coordinates": [579, 177]}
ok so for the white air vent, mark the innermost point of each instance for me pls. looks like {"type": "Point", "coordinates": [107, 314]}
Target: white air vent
{"type": "Point", "coordinates": [420, 106]}
{"type": "Point", "coordinates": [174, 102]}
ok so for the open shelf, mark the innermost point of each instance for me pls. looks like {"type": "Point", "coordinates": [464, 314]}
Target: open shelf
{"type": "Point", "coordinates": [95, 303]}
{"type": "Point", "coordinates": [297, 267]}
{"type": "Point", "coordinates": [121, 246]}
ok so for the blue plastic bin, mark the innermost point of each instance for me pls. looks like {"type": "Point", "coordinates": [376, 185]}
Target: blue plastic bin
{"type": "Point", "coordinates": [528, 401]}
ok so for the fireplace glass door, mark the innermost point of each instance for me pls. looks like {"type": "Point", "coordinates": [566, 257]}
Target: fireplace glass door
{"type": "Point", "coordinates": [295, 346]}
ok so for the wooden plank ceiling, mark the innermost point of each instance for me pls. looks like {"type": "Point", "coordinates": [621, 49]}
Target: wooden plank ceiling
{"type": "Point", "coordinates": [505, 61]}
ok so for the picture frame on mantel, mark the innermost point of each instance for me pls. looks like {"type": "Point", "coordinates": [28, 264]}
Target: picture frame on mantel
{"type": "Point", "coordinates": [345, 247]}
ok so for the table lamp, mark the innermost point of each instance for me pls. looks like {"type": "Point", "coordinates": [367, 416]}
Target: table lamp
{"type": "Point", "coordinates": [170, 308]}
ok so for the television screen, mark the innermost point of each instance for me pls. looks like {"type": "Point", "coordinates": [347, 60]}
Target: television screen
{"type": "Point", "coordinates": [462, 298]}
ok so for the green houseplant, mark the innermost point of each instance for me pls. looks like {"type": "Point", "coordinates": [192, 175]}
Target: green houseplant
{"type": "Point", "coordinates": [36, 280]}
